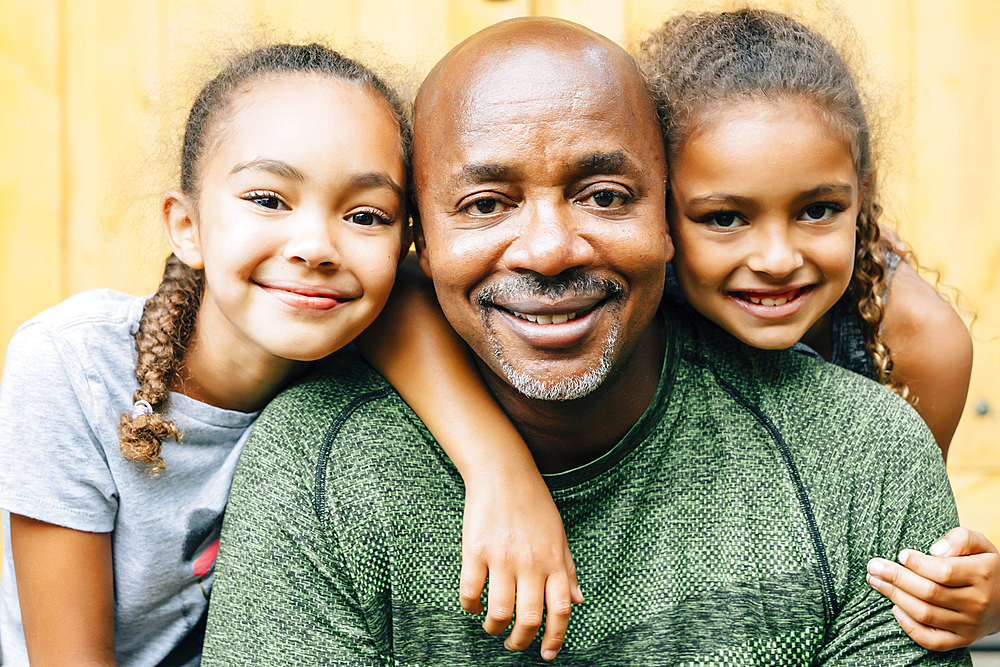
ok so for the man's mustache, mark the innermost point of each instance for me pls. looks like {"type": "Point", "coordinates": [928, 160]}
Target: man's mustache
{"type": "Point", "coordinates": [522, 286]}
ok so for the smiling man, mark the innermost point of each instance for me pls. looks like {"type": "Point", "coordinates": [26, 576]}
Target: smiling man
{"type": "Point", "coordinates": [721, 502]}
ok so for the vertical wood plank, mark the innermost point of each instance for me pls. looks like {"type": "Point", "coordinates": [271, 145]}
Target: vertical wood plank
{"type": "Point", "coordinates": [413, 34]}
{"type": "Point", "coordinates": [956, 131]}
{"type": "Point", "coordinates": [31, 270]}
{"type": "Point", "coordinates": [470, 16]}
{"type": "Point", "coordinates": [604, 16]}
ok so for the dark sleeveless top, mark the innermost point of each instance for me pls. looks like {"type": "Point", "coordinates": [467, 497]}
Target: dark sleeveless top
{"type": "Point", "coordinates": [848, 338]}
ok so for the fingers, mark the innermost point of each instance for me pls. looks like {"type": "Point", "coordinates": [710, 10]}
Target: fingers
{"type": "Point", "coordinates": [947, 571]}
{"type": "Point", "coordinates": [471, 582]}
{"type": "Point", "coordinates": [558, 605]}
{"type": "Point", "coordinates": [962, 542]}
{"type": "Point", "coordinates": [888, 577]}
{"type": "Point", "coordinates": [500, 604]}
{"type": "Point", "coordinates": [527, 621]}
{"type": "Point", "coordinates": [931, 638]}
{"type": "Point", "coordinates": [918, 610]}
{"type": "Point", "coordinates": [576, 593]}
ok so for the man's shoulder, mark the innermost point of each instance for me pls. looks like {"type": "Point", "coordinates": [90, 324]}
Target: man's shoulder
{"type": "Point", "coordinates": [341, 413]}
{"type": "Point", "coordinates": [337, 386]}
{"type": "Point", "coordinates": [777, 380]}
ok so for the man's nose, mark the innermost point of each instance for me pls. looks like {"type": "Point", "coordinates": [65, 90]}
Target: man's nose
{"type": "Point", "coordinates": [548, 242]}
{"type": "Point", "coordinates": [774, 250]}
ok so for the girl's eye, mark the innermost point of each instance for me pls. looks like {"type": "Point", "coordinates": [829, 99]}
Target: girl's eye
{"type": "Point", "coordinates": [484, 206]}
{"type": "Point", "coordinates": [368, 218]}
{"type": "Point", "coordinates": [725, 220]}
{"type": "Point", "coordinates": [818, 212]}
{"type": "Point", "coordinates": [609, 199]}
{"type": "Point", "coordinates": [266, 199]}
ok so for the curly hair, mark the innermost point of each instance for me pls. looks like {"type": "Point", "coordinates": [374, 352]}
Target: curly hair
{"type": "Point", "coordinates": [168, 319]}
{"type": "Point", "coordinates": [698, 63]}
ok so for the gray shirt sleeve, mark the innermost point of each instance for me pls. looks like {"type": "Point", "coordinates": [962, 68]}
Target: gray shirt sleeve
{"type": "Point", "coordinates": [52, 465]}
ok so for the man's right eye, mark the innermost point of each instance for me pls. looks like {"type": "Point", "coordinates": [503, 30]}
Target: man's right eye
{"type": "Point", "coordinates": [484, 206]}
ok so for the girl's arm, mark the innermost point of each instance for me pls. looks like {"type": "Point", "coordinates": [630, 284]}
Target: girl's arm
{"type": "Point", "coordinates": [65, 587]}
{"type": "Point", "coordinates": [931, 351]}
{"type": "Point", "coordinates": [512, 531]}
{"type": "Point", "coordinates": [951, 597]}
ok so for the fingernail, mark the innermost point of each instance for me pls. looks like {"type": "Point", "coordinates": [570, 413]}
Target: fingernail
{"type": "Point", "coordinates": [549, 654]}
{"type": "Point", "coordinates": [940, 548]}
{"type": "Point", "coordinates": [579, 592]}
{"type": "Point", "coordinates": [875, 567]}
{"type": "Point", "coordinates": [903, 555]}
{"type": "Point", "coordinates": [874, 582]}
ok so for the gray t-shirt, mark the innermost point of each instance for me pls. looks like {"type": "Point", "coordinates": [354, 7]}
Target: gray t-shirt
{"type": "Point", "coordinates": [68, 375]}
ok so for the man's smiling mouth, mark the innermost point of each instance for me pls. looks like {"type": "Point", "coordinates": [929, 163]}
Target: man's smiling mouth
{"type": "Point", "coordinates": [545, 319]}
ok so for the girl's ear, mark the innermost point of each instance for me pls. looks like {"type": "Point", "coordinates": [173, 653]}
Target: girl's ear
{"type": "Point", "coordinates": [177, 213]}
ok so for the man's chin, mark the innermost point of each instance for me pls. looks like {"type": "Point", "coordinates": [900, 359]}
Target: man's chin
{"type": "Point", "coordinates": [544, 386]}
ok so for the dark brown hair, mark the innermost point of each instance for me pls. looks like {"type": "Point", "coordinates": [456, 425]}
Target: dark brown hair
{"type": "Point", "coordinates": [168, 319]}
{"type": "Point", "coordinates": [699, 63]}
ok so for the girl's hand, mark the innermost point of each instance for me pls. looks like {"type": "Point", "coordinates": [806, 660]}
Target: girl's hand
{"type": "Point", "coordinates": [513, 534]}
{"type": "Point", "coordinates": [947, 599]}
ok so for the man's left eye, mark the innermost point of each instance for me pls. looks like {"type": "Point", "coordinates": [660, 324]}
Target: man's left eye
{"type": "Point", "coordinates": [608, 199]}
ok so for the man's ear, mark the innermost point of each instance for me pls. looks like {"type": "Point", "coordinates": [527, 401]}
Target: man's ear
{"type": "Point", "coordinates": [420, 244]}
{"type": "Point", "coordinates": [178, 214]}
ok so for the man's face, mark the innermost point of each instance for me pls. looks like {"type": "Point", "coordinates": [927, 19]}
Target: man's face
{"type": "Point", "coordinates": [540, 183]}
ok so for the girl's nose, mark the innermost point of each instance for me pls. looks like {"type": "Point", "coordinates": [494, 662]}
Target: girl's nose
{"type": "Point", "coordinates": [774, 250]}
{"type": "Point", "coordinates": [313, 241]}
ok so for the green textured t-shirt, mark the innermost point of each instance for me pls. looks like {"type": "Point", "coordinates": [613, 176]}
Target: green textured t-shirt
{"type": "Point", "coordinates": [731, 525]}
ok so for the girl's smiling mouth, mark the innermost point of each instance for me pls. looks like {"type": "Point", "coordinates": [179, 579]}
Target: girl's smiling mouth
{"type": "Point", "coordinates": [772, 303]}
{"type": "Point", "coordinates": [305, 297]}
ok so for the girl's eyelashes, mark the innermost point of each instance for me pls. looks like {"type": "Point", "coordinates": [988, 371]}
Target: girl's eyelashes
{"type": "Point", "coordinates": [820, 211]}
{"type": "Point", "coordinates": [266, 199]}
{"type": "Point", "coordinates": [723, 220]}
{"type": "Point", "coordinates": [368, 217]}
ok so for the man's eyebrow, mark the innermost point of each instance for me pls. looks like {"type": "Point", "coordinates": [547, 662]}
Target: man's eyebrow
{"type": "Point", "coordinates": [276, 167]}
{"type": "Point", "coordinates": [481, 173]}
{"type": "Point", "coordinates": [375, 179]}
{"type": "Point", "coordinates": [616, 163]}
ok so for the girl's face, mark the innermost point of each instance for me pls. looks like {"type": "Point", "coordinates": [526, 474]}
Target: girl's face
{"type": "Point", "coordinates": [300, 217]}
{"type": "Point", "coordinates": [763, 206]}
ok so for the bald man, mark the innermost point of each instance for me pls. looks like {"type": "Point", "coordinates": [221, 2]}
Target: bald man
{"type": "Point", "coordinates": [721, 502]}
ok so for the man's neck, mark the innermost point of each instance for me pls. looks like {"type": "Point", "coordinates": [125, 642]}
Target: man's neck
{"type": "Point", "coordinates": [563, 435]}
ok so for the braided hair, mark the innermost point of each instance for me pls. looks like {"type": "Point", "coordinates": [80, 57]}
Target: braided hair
{"type": "Point", "coordinates": [168, 319]}
{"type": "Point", "coordinates": [700, 62]}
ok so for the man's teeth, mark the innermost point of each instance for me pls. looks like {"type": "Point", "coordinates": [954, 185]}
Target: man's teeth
{"type": "Point", "coordinates": [780, 301]}
{"type": "Point", "coordinates": [546, 319]}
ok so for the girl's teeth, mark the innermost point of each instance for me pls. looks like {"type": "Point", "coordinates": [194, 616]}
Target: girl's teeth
{"type": "Point", "coordinates": [780, 301]}
{"type": "Point", "coordinates": [546, 319]}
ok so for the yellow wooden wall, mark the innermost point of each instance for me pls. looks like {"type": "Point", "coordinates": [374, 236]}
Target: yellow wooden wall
{"type": "Point", "coordinates": [93, 94]}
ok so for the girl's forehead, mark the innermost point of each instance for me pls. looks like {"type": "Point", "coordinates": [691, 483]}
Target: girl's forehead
{"type": "Point", "coordinates": [293, 116]}
{"type": "Point", "coordinates": [757, 121]}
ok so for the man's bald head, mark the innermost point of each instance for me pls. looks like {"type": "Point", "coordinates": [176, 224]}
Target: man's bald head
{"type": "Point", "coordinates": [540, 176]}
{"type": "Point", "coordinates": [514, 70]}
